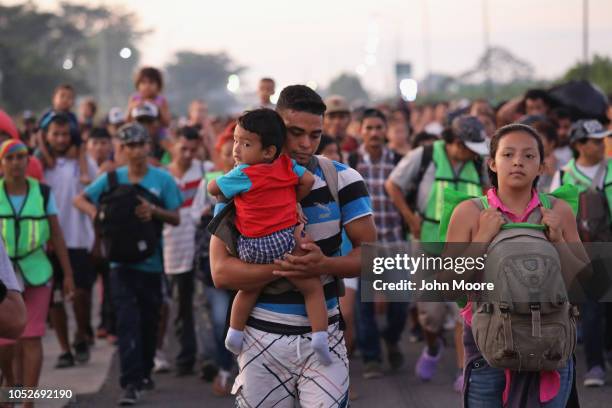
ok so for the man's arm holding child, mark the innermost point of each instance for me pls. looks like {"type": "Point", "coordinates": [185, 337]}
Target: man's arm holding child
{"type": "Point", "coordinates": [314, 262]}
{"type": "Point", "coordinates": [229, 272]}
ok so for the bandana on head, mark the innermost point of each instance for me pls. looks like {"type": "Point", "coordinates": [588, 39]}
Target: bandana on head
{"type": "Point", "coordinates": [12, 146]}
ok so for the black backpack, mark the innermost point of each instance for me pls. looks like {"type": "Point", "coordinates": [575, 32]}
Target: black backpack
{"type": "Point", "coordinates": [593, 218]}
{"type": "Point", "coordinates": [126, 238]}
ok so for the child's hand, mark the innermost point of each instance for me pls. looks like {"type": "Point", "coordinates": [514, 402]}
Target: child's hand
{"type": "Point", "coordinates": [300, 213]}
{"type": "Point", "coordinates": [300, 238]}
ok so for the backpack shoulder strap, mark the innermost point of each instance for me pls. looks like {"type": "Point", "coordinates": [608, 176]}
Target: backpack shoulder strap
{"type": "Point", "coordinates": [113, 180]}
{"type": "Point", "coordinates": [425, 161]}
{"type": "Point", "coordinates": [45, 190]}
{"type": "Point", "coordinates": [479, 164]}
{"type": "Point", "coordinates": [397, 157]}
{"type": "Point", "coordinates": [353, 159]}
{"type": "Point", "coordinates": [598, 178]}
{"type": "Point", "coordinates": [330, 173]}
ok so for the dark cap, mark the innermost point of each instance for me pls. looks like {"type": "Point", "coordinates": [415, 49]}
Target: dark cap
{"type": "Point", "coordinates": [99, 133]}
{"type": "Point", "coordinates": [587, 129]}
{"type": "Point", "coordinates": [471, 131]}
{"type": "Point", "coordinates": [132, 133]}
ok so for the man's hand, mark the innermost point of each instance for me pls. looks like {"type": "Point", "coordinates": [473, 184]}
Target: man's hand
{"type": "Point", "coordinates": [414, 223]}
{"type": "Point", "coordinates": [92, 213]}
{"type": "Point", "coordinates": [302, 266]}
{"type": "Point", "coordinates": [68, 287]}
{"type": "Point", "coordinates": [145, 210]}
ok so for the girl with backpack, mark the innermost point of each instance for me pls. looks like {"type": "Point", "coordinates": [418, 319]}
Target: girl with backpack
{"type": "Point", "coordinates": [544, 378]}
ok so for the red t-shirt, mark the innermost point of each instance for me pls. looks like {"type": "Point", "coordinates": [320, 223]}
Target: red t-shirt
{"type": "Point", "coordinates": [264, 195]}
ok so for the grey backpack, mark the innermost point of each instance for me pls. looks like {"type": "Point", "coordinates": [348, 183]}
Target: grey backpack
{"type": "Point", "coordinates": [526, 323]}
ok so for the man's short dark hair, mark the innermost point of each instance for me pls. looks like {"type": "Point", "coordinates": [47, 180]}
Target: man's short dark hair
{"type": "Point", "coordinates": [373, 113]}
{"type": "Point", "coordinates": [63, 87]}
{"type": "Point", "coordinates": [91, 104]}
{"type": "Point", "coordinates": [302, 99]}
{"type": "Point", "coordinates": [268, 125]}
{"type": "Point", "coordinates": [99, 133]}
{"type": "Point", "coordinates": [538, 94]}
{"type": "Point", "coordinates": [188, 132]}
{"type": "Point", "coordinates": [547, 129]}
{"type": "Point", "coordinates": [562, 113]}
{"type": "Point", "coordinates": [60, 119]}
{"type": "Point", "coordinates": [267, 79]}
{"type": "Point", "coordinates": [422, 138]}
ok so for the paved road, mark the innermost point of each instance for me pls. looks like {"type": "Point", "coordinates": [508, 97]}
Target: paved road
{"type": "Point", "coordinates": [96, 383]}
{"type": "Point", "coordinates": [397, 389]}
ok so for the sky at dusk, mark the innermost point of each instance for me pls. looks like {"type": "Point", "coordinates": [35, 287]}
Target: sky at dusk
{"type": "Point", "coordinates": [300, 41]}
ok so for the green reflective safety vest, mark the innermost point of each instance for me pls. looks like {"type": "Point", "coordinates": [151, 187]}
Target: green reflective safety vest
{"type": "Point", "coordinates": [571, 175]}
{"type": "Point", "coordinates": [25, 231]}
{"type": "Point", "coordinates": [467, 180]}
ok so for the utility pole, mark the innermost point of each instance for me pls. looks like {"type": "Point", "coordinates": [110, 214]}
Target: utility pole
{"type": "Point", "coordinates": [487, 48]}
{"type": "Point", "coordinates": [426, 38]}
{"type": "Point", "coordinates": [585, 38]}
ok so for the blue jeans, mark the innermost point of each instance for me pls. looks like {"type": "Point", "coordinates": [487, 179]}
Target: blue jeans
{"type": "Point", "coordinates": [218, 302]}
{"type": "Point", "coordinates": [137, 297]}
{"type": "Point", "coordinates": [184, 326]}
{"type": "Point", "coordinates": [368, 336]}
{"type": "Point", "coordinates": [592, 314]}
{"type": "Point", "coordinates": [485, 385]}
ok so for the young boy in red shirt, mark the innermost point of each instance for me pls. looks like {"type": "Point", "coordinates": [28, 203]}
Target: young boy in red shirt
{"type": "Point", "coordinates": [266, 187]}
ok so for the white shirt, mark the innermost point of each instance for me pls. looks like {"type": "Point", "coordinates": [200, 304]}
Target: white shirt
{"type": "Point", "coordinates": [63, 179]}
{"type": "Point", "coordinates": [563, 155]}
{"type": "Point", "coordinates": [7, 273]}
{"type": "Point", "coordinates": [179, 241]}
{"type": "Point", "coordinates": [589, 171]}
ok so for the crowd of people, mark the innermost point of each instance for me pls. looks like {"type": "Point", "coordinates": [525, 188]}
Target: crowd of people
{"type": "Point", "coordinates": [262, 216]}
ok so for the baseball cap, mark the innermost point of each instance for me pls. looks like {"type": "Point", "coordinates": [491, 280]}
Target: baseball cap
{"type": "Point", "coordinates": [145, 110]}
{"type": "Point", "coordinates": [116, 116]}
{"type": "Point", "coordinates": [471, 131]}
{"type": "Point", "coordinates": [336, 104]}
{"type": "Point", "coordinates": [587, 128]}
{"type": "Point", "coordinates": [132, 133]}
